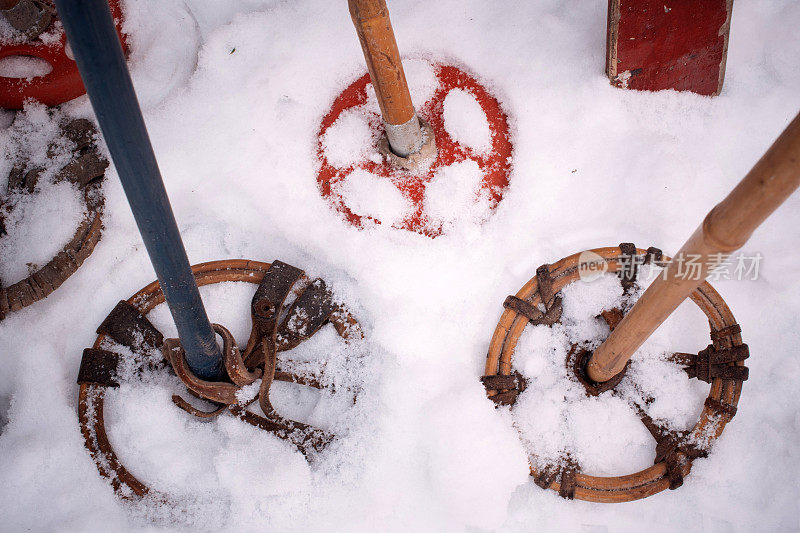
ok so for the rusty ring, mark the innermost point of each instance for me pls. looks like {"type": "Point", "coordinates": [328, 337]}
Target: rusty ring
{"type": "Point", "coordinates": [90, 396]}
{"type": "Point", "coordinates": [48, 278]}
{"type": "Point", "coordinates": [652, 480]}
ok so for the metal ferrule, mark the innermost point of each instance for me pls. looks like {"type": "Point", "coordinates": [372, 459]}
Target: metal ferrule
{"type": "Point", "coordinates": [405, 139]}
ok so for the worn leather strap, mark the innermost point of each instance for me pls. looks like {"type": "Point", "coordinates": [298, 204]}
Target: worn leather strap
{"type": "Point", "coordinates": [82, 132]}
{"type": "Point", "coordinates": [309, 312]}
{"type": "Point", "coordinates": [653, 256]}
{"type": "Point", "coordinates": [21, 177]}
{"type": "Point", "coordinates": [221, 392]}
{"type": "Point", "coordinates": [672, 448]}
{"type": "Point", "coordinates": [30, 17]}
{"type": "Point", "coordinates": [721, 409]}
{"type": "Point", "coordinates": [509, 387]}
{"type": "Point", "coordinates": [568, 482]}
{"type": "Point", "coordinates": [532, 313]}
{"type": "Point", "coordinates": [544, 284]}
{"type": "Point", "coordinates": [84, 169]}
{"type": "Point", "coordinates": [127, 326]}
{"type": "Point", "coordinates": [545, 477]}
{"type": "Point", "coordinates": [266, 307]}
{"type": "Point", "coordinates": [726, 333]}
{"type": "Point", "coordinates": [232, 357]}
{"type": "Point", "coordinates": [629, 268]}
{"type": "Point", "coordinates": [566, 474]}
{"type": "Point", "coordinates": [306, 438]}
{"type": "Point", "coordinates": [98, 367]}
{"type": "Point", "coordinates": [711, 363]}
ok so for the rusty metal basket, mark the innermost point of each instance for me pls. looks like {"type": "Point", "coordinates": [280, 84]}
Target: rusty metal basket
{"type": "Point", "coordinates": [92, 391]}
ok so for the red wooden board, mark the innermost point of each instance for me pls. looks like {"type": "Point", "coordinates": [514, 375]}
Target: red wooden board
{"type": "Point", "coordinates": [61, 84]}
{"type": "Point", "coordinates": [668, 44]}
{"type": "Point", "coordinates": [494, 164]}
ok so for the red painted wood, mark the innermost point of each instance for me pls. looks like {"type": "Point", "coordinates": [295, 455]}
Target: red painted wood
{"type": "Point", "coordinates": [496, 164]}
{"type": "Point", "coordinates": [61, 84]}
{"type": "Point", "coordinates": [668, 44]}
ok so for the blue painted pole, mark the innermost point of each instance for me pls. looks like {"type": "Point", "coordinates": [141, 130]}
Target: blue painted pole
{"type": "Point", "coordinates": [101, 62]}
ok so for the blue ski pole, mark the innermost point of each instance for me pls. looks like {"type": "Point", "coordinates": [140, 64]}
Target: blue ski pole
{"type": "Point", "coordinates": [98, 53]}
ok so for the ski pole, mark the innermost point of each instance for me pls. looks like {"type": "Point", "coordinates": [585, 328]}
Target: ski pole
{"type": "Point", "coordinates": [726, 228]}
{"type": "Point", "coordinates": [371, 19]}
{"type": "Point", "coordinates": [97, 51]}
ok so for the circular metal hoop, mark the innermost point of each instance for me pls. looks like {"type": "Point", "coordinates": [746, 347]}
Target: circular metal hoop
{"type": "Point", "coordinates": [91, 397]}
{"type": "Point", "coordinates": [710, 423]}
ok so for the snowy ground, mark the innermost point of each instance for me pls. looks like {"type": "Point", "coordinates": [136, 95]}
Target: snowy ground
{"type": "Point", "coordinates": [233, 96]}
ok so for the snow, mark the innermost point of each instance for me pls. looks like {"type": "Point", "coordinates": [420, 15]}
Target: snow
{"type": "Point", "coordinates": [349, 139]}
{"type": "Point", "coordinates": [235, 132]}
{"type": "Point", "coordinates": [465, 121]}
{"type": "Point", "coordinates": [454, 195]}
{"type": "Point", "coordinates": [421, 79]}
{"type": "Point", "coordinates": [24, 67]}
{"type": "Point", "coordinates": [157, 70]}
{"type": "Point", "coordinates": [34, 239]}
{"type": "Point", "coordinates": [555, 415]}
{"type": "Point", "coordinates": [234, 317]}
{"type": "Point", "coordinates": [367, 194]}
{"type": "Point", "coordinates": [8, 34]}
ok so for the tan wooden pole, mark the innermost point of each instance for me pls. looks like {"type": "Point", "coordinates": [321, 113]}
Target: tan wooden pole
{"type": "Point", "coordinates": [371, 19]}
{"type": "Point", "coordinates": [725, 229]}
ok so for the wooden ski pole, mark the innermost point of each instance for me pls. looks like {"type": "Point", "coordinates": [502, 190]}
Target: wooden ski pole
{"type": "Point", "coordinates": [726, 228]}
{"type": "Point", "coordinates": [371, 19]}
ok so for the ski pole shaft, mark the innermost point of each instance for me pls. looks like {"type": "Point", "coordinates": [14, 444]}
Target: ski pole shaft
{"type": "Point", "coordinates": [97, 51]}
{"type": "Point", "coordinates": [371, 19]}
{"type": "Point", "coordinates": [725, 229]}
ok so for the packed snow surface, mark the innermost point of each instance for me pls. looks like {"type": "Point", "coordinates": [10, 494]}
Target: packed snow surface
{"type": "Point", "coordinates": [233, 95]}
{"type": "Point", "coordinates": [466, 122]}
